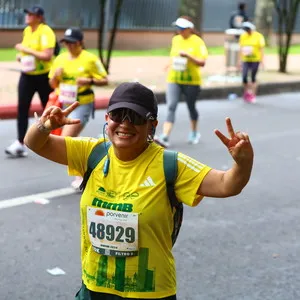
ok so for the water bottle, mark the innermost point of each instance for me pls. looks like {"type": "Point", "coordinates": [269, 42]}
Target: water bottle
{"type": "Point", "coordinates": [232, 96]}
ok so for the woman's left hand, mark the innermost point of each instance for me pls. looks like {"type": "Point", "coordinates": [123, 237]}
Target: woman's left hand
{"type": "Point", "coordinates": [20, 47]}
{"type": "Point", "coordinates": [81, 81]}
{"type": "Point", "coordinates": [183, 54]}
{"type": "Point", "coordinates": [238, 144]}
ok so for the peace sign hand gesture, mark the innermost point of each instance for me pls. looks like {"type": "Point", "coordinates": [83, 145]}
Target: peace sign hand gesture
{"type": "Point", "coordinates": [54, 117]}
{"type": "Point", "coordinates": [238, 144]}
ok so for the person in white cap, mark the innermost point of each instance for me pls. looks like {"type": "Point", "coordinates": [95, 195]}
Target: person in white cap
{"type": "Point", "coordinates": [252, 45]}
{"type": "Point", "coordinates": [188, 54]}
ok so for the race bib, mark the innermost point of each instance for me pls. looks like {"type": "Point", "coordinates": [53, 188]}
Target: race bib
{"type": "Point", "coordinates": [247, 50]}
{"type": "Point", "coordinates": [179, 63]}
{"type": "Point", "coordinates": [67, 93]}
{"type": "Point", "coordinates": [27, 63]}
{"type": "Point", "coordinates": [113, 233]}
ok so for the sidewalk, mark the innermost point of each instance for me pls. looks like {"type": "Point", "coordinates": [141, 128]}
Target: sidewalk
{"type": "Point", "coordinates": [149, 71]}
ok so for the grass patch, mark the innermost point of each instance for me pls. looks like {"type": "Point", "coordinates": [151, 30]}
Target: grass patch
{"type": "Point", "coordinates": [9, 54]}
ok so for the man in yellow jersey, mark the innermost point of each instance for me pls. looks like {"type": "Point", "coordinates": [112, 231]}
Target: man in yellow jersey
{"type": "Point", "coordinates": [126, 217]}
{"type": "Point", "coordinates": [188, 55]}
{"type": "Point", "coordinates": [35, 57]}
{"type": "Point", "coordinates": [73, 75]}
{"type": "Point", "coordinates": [252, 45]}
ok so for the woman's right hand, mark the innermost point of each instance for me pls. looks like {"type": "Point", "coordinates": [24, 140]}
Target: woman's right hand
{"type": "Point", "coordinates": [54, 117]}
{"type": "Point", "coordinates": [58, 73]}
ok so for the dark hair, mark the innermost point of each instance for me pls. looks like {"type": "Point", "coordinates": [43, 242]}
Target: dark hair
{"type": "Point", "coordinates": [194, 31]}
{"type": "Point", "coordinates": [242, 6]}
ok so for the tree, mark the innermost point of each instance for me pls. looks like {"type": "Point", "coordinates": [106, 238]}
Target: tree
{"type": "Point", "coordinates": [104, 29]}
{"type": "Point", "coordinates": [193, 9]}
{"type": "Point", "coordinates": [287, 11]}
{"type": "Point", "coordinates": [264, 18]}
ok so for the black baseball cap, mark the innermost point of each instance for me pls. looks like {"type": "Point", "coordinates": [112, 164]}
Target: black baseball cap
{"type": "Point", "coordinates": [35, 10]}
{"type": "Point", "coordinates": [72, 35]}
{"type": "Point", "coordinates": [135, 96]}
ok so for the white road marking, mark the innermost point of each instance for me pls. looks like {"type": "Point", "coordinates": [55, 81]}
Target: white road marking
{"type": "Point", "coordinates": [35, 197]}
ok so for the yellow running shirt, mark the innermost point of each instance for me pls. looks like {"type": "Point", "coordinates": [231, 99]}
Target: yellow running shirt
{"type": "Point", "coordinates": [251, 46]}
{"type": "Point", "coordinates": [85, 65]}
{"type": "Point", "coordinates": [130, 210]}
{"type": "Point", "coordinates": [40, 39]}
{"type": "Point", "coordinates": [183, 71]}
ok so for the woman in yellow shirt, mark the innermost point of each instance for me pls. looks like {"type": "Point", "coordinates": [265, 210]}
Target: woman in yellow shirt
{"type": "Point", "coordinates": [72, 75]}
{"type": "Point", "coordinates": [252, 44]}
{"type": "Point", "coordinates": [35, 57]}
{"type": "Point", "coordinates": [188, 54]}
{"type": "Point", "coordinates": [126, 243]}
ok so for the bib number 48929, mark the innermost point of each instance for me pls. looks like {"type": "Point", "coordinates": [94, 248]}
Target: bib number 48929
{"type": "Point", "coordinates": [110, 233]}
{"type": "Point", "coordinates": [113, 233]}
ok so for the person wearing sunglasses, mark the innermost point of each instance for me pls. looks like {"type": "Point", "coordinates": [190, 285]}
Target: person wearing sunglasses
{"type": "Point", "coordinates": [188, 54]}
{"type": "Point", "coordinates": [125, 204]}
{"type": "Point", "coordinates": [73, 75]}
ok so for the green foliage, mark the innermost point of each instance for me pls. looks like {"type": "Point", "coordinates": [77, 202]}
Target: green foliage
{"type": "Point", "coordinates": [189, 8]}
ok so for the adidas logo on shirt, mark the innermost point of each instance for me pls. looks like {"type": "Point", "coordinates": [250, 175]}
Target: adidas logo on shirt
{"type": "Point", "coordinates": [148, 182]}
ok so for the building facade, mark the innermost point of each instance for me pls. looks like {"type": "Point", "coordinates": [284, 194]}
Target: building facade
{"type": "Point", "coordinates": [144, 24]}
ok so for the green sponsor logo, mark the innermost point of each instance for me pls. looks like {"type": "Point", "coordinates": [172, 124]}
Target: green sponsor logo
{"type": "Point", "coordinates": [107, 193]}
{"type": "Point", "coordinates": [126, 207]}
{"type": "Point", "coordinates": [130, 196]}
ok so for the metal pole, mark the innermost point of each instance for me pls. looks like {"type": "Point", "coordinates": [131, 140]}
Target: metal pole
{"type": "Point", "coordinates": [106, 24]}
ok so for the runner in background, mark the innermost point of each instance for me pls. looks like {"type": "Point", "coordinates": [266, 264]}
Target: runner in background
{"type": "Point", "coordinates": [252, 45]}
{"type": "Point", "coordinates": [72, 76]}
{"type": "Point", "coordinates": [35, 55]}
{"type": "Point", "coordinates": [238, 17]}
{"type": "Point", "coordinates": [188, 55]}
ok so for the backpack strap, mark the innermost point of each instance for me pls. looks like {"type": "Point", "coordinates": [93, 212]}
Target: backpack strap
{"type": "Point", "coordinates": [97, 154]}
{"type": "Point", "coordinates": [170, 170]}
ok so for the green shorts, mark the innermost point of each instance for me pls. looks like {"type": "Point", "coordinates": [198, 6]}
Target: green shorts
{"type": "Point", "coordinates": [85, 294]}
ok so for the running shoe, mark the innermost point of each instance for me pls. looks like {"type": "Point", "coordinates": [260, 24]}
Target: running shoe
{"type": "Point", "coordinates": [194, 137]}
{"type": "Point", "coordinates": [252, 98]}
{"type": "Point", "coordinates": [16, 149]}
{"type": "Point", "coordinates": [249, 97]}
{"type": "Point", "coordinates": [76, 183]}
{"type": "Point", "coordinates": [162, 140]}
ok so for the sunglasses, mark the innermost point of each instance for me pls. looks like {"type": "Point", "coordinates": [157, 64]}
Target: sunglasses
{"type": "Point", "coordinates": [121, 114]}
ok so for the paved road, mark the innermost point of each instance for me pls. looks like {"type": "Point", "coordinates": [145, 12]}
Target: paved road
{"type": "Point", "coordinates": [244, 247]}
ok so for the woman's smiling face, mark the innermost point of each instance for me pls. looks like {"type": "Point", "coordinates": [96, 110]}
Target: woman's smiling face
{"type": "Point", "coordinates": [127, 136]}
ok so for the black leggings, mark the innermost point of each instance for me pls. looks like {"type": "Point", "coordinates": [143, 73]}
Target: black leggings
{"type": "Point", "coordinates": [85, 294]}
{"type": "Point", "coordinates": [250, 66]}
{"type": "Point", "coordinates": [28, 85]}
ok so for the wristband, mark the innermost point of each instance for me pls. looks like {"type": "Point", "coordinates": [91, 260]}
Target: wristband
{"type": "Point", "coordinates": [40, 126]}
